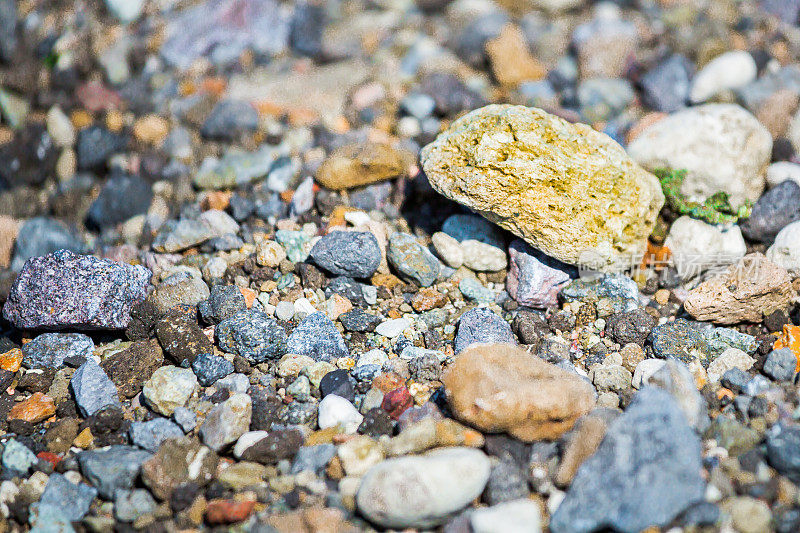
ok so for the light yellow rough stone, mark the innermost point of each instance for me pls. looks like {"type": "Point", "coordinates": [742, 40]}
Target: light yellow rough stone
{"type": "Point", "coordinates": [567, 189]}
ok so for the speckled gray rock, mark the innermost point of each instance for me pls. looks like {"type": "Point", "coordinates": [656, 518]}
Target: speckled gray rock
{"type": "Point", "coordinates": [49, 350]}
{"type": "Point", "coordinates": [620, 289]}
{"type": "Point", "coordinates": [67, 290]}
{"type": "Point", "coordinates": [112, 468]}
{"type": "Point", "coordinates": [149, 435]}
{"type": "Point", "coordinates": [252, 334]}
{"type": "Point", "coordinates": [223, 302]}
{"type": "Point", "coordinates": [209, 368]}
{"type": "Point", "coordinates": [686, 340]}
{"type": "Point", "coordinates": [480, 325]}
{"type": "Point", "coordinates": [347, 253]}
{"type": "Point", "coordinates": [92, 388]}
{"type": "Point", "coordinates": [412, 260]}
{"type": "Point", "coordinates": [317, 337]}
{"type": "Point", "coordinates": [646, 471]}
{"type": "Point", "coordinates": [72, 500]}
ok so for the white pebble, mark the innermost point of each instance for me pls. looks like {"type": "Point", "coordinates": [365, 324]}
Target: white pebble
{"type": "Point", "coordinates": [284, 310]}
{"type": "Point", "coordinates": [247, 440]}
{"type": "Point", "coordinates": [356, 218]}
{"type": "Point", "coordinates": [337, 411]}
{"type": "Point", "coordinates": [730, 70]}
{"type": "Point", "coordinates": [373, 357]}
{"type": "Point", "coordinates": [302, 306]}
{"type": "Point", "coordinates": [781, 171]}
{"type": "Point", "coordinates": [393, 328]}
{"type": "Point", "coordinates": [785, 251]}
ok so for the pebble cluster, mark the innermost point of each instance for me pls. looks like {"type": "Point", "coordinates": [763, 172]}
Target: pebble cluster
{"type": "Point", "coordinates": [469, 266]}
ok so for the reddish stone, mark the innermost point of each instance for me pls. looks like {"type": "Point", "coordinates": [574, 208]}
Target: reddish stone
{"type": "Point", "coordinates": [396, 402]}
{"type": "Point", "coordinates": [94, 96]}
{"type": "Point", "coordinates": [222, 511]}
{"type": "Point", "coordinates": [50, 457]}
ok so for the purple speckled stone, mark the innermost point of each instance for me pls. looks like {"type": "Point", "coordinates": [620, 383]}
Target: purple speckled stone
{"type": "Point", "coordinates": [66, 290]}
{"type": "Point", "coordinates": [534, 279]}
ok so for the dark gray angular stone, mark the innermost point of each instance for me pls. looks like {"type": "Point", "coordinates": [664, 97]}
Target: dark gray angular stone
{"type": "Point", "coordinates": [122, 197]}
{"type": "Point", "coordinates": [95, 145]}
{"type": "Point", "coordinates": [223, 302]}
{"type": "Point", "coordinates": [666, 86]}
{"type": "Point", "coordinates": [359, 320]}
{"type": "Point", "coordinates": [347, 253]}
{"type": "Point", "coordinates": [49, 350]}
{"type": "Point", "coordinates": [313, 458]}
{"type": "Point", "coordinates": [252, 334]}
{"type": "Point", "coordinates": [209, 368]}
{"type": "Point", "coordinates": [481, 325]}
{"type": "Point", "coordinates": [776, 209]}
{"type": "Point", "coordinates": [317, 337]}
{"type": "Point", "coordinates": [645, 472]}
{"type": "Point", "coordinates": [67, 290]}
{"type": "Point", "coordinates": [112, 468]}
{"type": "Point", "coordinates": [92, 388]}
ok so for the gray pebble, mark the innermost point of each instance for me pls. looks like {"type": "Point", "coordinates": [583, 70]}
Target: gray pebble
{"type": "Point", "coordinates": [480, 325]}
{"type": "Point", "coordinates": [252, 334]}
{"type": "Point", "coordinates": [347, 253]}
{"type": "Point", "coordinates": [92, 388]}
{"type": "Point", "coordinates": [149, 435]}
{"type": "Point", "coordinates": [317, 337]}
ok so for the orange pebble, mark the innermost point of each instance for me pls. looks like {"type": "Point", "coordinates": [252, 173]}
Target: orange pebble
{"type": "Point", "coordinates": [11, 360]}
{"type": "Point", "coordinates": [249, 296]}
{"type": "Point", "coordinates": [217, 200]}
{"type": "Point", "coordinates": [34, 409]}
{"type": "Point", "coordinates": [790, 339]}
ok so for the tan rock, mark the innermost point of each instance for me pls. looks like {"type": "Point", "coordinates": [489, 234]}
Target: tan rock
{"type": "Point", "coordinates": [582, 443]}
{"type": "Point", "coordinates": [747, 292]}
{"type": "Point", "coordinates": [776, 111]}
{"type": "Point", "coordinates": [9, 228]}
{"type": "Point", "coordinates": [151, 129]}
{"type": "Point", "coordinates": [567, 189]}
{"type": "Point", "coordinates": [511, 60]}
{"type": "Point", "coordinates": [354, 165]}
{"type": "Point", "coordinates": [503, 388]}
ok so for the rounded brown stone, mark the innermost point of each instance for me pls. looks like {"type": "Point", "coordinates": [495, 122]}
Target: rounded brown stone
{"type": "Point", "coordinates": [502, 388]}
